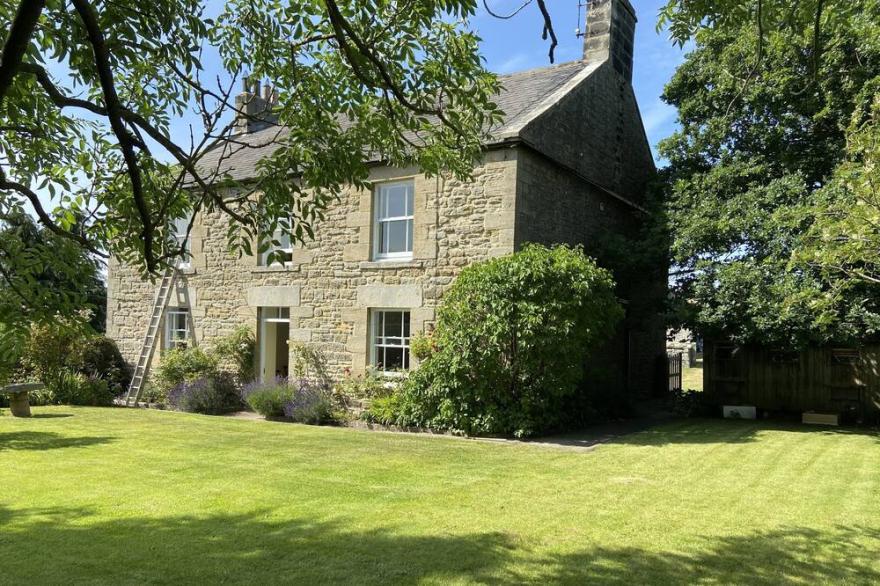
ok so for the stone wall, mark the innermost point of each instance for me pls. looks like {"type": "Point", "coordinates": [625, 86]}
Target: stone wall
{"type": "Point", "coordinates": [333, 282]}
{"type": "Point", "coordinates": [580, 164]}
{"type": "Point", "coordinates": [596, 129]}
{"type": "Point", "coordinates": [554, 205]}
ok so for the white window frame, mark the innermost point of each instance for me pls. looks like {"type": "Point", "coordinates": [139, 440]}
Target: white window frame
{"type": "Point", "coordinates": [179, 227]}
{"type": "Point", "coordinates": [278, 235]}
{"type": "Point", "coordinates": [172, 337]}
{"type": "Point", "coordinates": [278, 315]}
{"type": "Point", "coordinates": [379, 219]}
{"type": "Point", "coordinates": [377, 347]}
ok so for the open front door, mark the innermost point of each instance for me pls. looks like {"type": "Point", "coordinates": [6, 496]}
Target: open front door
{"type": "Point", "coordinates": [273, 339]}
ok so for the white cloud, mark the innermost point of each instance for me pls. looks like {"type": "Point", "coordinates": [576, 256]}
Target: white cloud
{"type": "Point", "coordinates": [515, 63]}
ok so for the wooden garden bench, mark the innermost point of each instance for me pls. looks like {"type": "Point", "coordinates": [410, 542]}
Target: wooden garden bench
{"type": "Point", "coordinates": [18, 397]}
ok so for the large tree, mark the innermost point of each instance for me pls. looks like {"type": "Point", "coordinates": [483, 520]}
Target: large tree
{"type": "Point", "coordinates": [88, 90]}
{"type": "Point", "coordinates": [766, 99]}
{"type": "Point", "coordinates": [70, 285]}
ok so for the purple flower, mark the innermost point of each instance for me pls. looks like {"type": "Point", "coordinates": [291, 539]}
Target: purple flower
{"type": "Point", "coordinates": [310, 403]}
{"type": "Point", "coordinates": [259, 386]}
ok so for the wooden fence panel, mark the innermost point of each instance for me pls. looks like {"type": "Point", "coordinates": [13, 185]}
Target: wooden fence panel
{"type": "Point", "coordinates": [816, 379]}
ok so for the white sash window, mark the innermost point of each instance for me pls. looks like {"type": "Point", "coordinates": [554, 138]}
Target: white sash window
{"type": "Point", "coordinates": [393, 221]}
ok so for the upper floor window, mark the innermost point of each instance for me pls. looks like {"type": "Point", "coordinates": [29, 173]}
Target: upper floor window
{"type": "Point", "coordinates": [280, 244]}
{"type": "Point", "coordinates": [393, 220]}
{"type": "Point", "coordinates": [179, 232]}
{"type": "Point", "coordinates": [176, 327]}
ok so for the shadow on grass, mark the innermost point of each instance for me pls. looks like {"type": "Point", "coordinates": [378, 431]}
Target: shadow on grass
{"type": "Point", "coordinates": [648, 432]}
{"type": "Point", "coordinates": [50, 415]}
{"type": "Point", "coordinates": [46, 440]}
{"type": "Point", "coordinates": [792, 555]}
{"type": "Point", "coordinates": [259, 548]}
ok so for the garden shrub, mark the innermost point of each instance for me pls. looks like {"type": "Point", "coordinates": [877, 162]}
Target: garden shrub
{"type": "Point", "coordinates": [308, 361]}
{"type": "Point", "coordinates": [53, 354]}
{"type": "Point", "coordinates": [383, 410]}
{"type": "Point", "coordinates": [687, 402]}
{"type": "Point", "coordinates": [151, 394]}
{"type": "Point", "coordinates": [48, 350]}
{"type": "Point", "coordinates": [181, 365]}
{"type": "Point", "coordinates": [237, 351]}
{"type": "Point", "coordinates": [421, 346]}
{"type": "Point", "coordinates": [99, 357]}
{"type": "Point", "coordinates": [511, 340]}
{"type": "Point", "coordinates": [75, 388]}
{"type": "Point", "coordinates": [309, 403]}
{"type": "Point", "coordinates": [211, 395]}
{"type": "Point", "coordinates": [367, 386]}
{"type": "Point", "coordinates": [268, 398]}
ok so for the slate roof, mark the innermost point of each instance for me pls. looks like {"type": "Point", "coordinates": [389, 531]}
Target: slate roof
{"type": "Point", "coordinates": [525, 95]}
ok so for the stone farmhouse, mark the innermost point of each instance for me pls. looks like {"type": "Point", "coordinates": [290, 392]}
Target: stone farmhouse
{"type": "Point", "coordinates": [569, 164]}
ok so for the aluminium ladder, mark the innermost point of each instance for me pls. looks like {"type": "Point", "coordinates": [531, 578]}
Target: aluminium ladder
{"type": "Point", "coordinates": [163, 294]}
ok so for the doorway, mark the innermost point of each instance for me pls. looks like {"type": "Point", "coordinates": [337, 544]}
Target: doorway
{"type": "Point", "coordinates": [272, 339]}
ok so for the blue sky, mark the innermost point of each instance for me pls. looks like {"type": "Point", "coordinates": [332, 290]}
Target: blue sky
{"type": "Point", "coordinates": [516, 45]}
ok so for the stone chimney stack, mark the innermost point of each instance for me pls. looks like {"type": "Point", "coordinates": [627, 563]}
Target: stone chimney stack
{"type": "Point", "coordinates": [255, 105]}
{"type": "Point", "coordinates": [610, 34]}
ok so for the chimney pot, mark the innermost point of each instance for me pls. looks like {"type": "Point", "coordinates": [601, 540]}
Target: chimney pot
{"type": "Point", "coordinates": [254, 105]}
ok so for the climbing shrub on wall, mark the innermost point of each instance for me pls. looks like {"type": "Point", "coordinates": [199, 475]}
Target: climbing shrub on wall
{"type": "Point", "coordinates": [510, 343]}
{"type": "Point", "coordinates": [238, 351]}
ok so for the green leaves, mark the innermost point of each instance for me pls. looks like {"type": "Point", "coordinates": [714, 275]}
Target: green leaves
{"type": "Point", "coordinates": [511, 338]}
{"type": "Point", "coordinates": [756, 169]}
{"type": "Point", "coordinates": [399, 82]}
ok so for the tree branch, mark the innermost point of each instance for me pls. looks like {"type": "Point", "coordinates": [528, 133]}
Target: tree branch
{"type": "Point", "coordinates": [57, 97]}
{"type": "Point", "coordinates": [89, 17]}
{"type": "Point", "coordinates": [505, 16]}
{"type": "Point", "coordinates": [44, 217]}
{"type": "Point", "coordinates": [343, 31]}
{"type": "Point", "coordinates": [548, 29]}
{"type": "Point", "coordinates": [17, 41]}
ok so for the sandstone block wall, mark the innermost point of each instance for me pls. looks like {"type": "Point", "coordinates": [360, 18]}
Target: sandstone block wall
{"type": "Point", "coordinates": [333, 281]}
{"type": "Point", "coordinates": [546, 190]}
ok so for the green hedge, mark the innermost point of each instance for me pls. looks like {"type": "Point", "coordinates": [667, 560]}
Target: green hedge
{"type": "Point", "coordinates": [510, 344]}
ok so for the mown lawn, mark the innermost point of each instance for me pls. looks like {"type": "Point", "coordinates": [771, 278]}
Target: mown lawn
{"type": "Point", "coordinates": [692, 378]}
{"type": "Point", "coordinates": [113, 496]}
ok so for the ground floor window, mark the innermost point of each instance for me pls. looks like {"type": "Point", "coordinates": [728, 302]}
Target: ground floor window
{"type": "Point", "coordinates": [390, 339]}
{"type": "Point", "coordinates": [176, 327]}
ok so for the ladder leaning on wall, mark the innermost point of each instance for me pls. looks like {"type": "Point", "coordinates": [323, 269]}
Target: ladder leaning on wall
{"type": "Point", "coordinates": [142, 368]}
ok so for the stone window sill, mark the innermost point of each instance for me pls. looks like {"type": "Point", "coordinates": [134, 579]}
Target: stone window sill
{"type": "Point", "coordinates": [392, 264]}
{"type": "Point", "coordinates": [284, 269]}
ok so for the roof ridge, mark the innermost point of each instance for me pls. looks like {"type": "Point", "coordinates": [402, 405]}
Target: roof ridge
{"type": "Point", "coordinates": [544, 68]}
